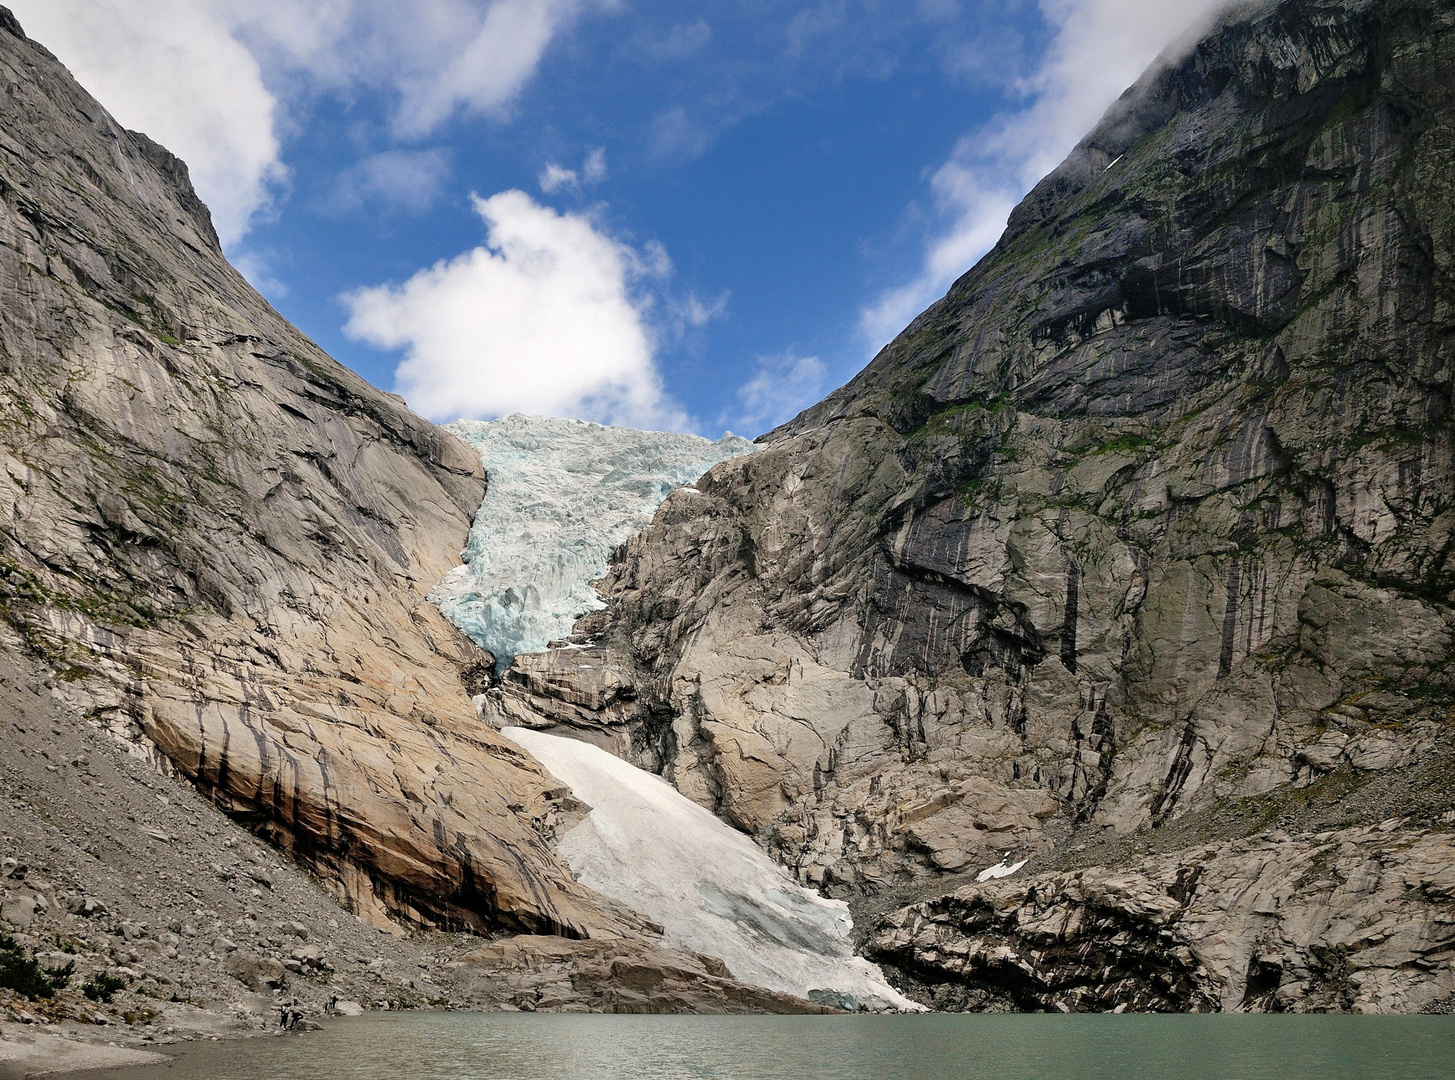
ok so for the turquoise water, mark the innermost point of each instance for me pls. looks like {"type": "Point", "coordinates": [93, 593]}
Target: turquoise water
{"type": "Point", "coordinates": [492, 1046]}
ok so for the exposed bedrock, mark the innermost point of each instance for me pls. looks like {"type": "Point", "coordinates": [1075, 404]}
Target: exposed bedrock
{"type": "Point", "coordinates": [1357, 919]}
{"type": "Point", "coordinates": [222, 539]}
{"type": "Point", "coordinates": [1150, 514]}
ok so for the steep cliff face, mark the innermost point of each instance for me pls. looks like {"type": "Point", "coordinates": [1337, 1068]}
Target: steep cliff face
{"type": "Point", "coordinates": [1147, 521]}
{"type": "Point", "coordinates": [222, 539]}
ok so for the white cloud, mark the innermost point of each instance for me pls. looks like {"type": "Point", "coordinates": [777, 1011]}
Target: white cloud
{"type": "Point", "coordinates": [171, 69]}
{"type": "Point", "coordinates": [408, 180]}
{"type": "Point", "coordinates": [555, 177]}
{"type": "Point", "coordinates": [781, 387]}
{"type": "Point", "coordinates": [257, 267]}
{"type": "Point", "coordinates": [207, 78]}
{"type": "Point", "coordinates": [699, 312]}
{"type": "Point", "coordinates": [1099, 49]}
{"type": "Point", "coordinates": [593, 169]}
{"type": "Point", "coordinates": [545, 318]}
{"type": "Point", "coordinates": [673, 133]}
{"type": "Point", "coordinates": [483, 76]}
{"type": "Point", "coordinates": [679, 43]}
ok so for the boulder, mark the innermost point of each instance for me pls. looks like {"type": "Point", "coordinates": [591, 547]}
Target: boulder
{"type": "Point", "coordinates": [18, 911]}
{"type": "Point", "coordinates": [254, 972]}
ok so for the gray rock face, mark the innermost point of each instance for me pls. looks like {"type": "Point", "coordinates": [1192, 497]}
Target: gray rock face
{"type": "Point", "coordinates": [1150, 515]}
{"type": "Point", "coordinates": [221, 539]}
{"type": "Point", "coordinates": [1274, 923]}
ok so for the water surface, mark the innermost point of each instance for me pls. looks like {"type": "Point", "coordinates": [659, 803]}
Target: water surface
{"type": "Point", "coordinates": [494, 1046]}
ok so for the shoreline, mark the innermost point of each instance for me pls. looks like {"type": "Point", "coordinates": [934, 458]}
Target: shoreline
{"type": "Point", "coordinates": [25, 1050]}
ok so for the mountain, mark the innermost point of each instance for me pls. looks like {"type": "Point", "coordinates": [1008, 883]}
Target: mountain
{"type": "Point", "coordinates": [216, 553]}
{"type": "Point", "coordinates": [222, 540]}
{"type": "Point", "coordinates": [1129, 557]}
{"type": "Point", "coordinates": [215, 561]}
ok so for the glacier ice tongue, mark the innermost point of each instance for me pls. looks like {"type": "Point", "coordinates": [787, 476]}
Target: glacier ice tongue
{"type": "Point", "coordinates": [562, 495]}
{"type": "Point", "coordinates": [649, 847]}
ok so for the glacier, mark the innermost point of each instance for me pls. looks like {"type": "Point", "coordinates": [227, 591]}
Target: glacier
{"type": "Point", "coordinates": [649, 847]}
{"type": "Point", "coordinates": [562, 495]}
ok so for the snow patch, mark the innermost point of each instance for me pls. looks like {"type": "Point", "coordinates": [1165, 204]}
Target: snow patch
{"type": "Point", "coordinates": [562, 495]}
{"type": "Point", "coordinates": [1000, 870]}
{"type": "Point", "coordinates": [647, 846]}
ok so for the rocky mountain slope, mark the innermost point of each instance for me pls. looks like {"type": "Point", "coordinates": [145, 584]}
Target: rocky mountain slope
{"type": "Point", "coordinates": [1129, 556]}
{"type": "Point", "coordinates": [223, 539]}
{"type": "Point", "coordinates": [214, 558]}
{"type": "Point", "coordinates": [204, 930]}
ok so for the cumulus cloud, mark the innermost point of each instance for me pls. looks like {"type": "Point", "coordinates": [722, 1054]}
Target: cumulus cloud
{"type": "Point", "coordinates": [546, 317]}
{"type": "Point", "coordinates": [1100, 47]}
{"type": "Point", "coordinates": [781, 387]}
{"type": "Point", "coordinates": [207, 78]}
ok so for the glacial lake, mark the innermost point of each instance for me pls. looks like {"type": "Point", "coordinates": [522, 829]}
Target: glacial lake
{"type": "Point", "coordinates": [495, 1046]}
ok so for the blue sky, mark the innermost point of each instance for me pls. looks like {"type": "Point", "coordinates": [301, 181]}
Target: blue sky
{"type": "Point", "coordinates": [693, 215]}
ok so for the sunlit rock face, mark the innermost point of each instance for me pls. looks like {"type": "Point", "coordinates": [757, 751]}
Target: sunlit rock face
{"type": "Point", "coordinates": [224, 538]}
{"type": "Point", "coordinates": [562, 495]}
{"type": "Point", "coordinates": [711, 888]}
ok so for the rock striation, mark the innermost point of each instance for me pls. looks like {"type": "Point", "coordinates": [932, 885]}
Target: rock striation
{"type": "Point", "coordinates": [222, 540]}
{"type": "Point", "coordinates": [1131, 548]}
{"type": "Point", "coordinates": [120, 874]}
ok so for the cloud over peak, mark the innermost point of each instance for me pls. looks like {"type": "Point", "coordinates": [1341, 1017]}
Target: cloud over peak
{"type": "Point", "coordinates": [173, 70]}
{"type": "Point", "coordinates": [1099, 48]}
{"type": "Point", "coordinates": [781, 387]}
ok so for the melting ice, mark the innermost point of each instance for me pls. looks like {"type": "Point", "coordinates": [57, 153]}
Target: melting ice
{"type": "Point", "coordinates": [649, 847]}
{"type": "Point", "coordinates": [563, 494]}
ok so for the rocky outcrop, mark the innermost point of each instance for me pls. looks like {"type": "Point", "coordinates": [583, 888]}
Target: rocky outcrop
{"type": "Point", "coordinates": [1150, 514]}
{"type": "Point", "coordinates": [1360, 919]}
{"type": "Point", "coordinates": [533, 973]}
{"type": "Point", "coordinates": [222, 540]}
{"type": "Point", "coordinates": [140, 879]}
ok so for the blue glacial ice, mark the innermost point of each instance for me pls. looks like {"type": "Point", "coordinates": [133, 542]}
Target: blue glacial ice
{"type": "Point", "coordinates": [562, 495]}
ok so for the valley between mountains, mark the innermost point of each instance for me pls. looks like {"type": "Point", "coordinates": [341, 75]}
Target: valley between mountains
{"type": "Point", "coordinates": [1126, 564]}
